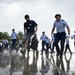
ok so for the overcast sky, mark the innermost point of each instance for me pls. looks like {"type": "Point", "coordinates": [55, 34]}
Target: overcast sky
{"type": "Point", "coordinates": [42, 11]}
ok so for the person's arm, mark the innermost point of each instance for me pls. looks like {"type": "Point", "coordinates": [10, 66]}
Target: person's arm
{"type": "Point", "coordinates": [67, 26]}
{"type": "Point", "coordinates": [53, 29]}
{"type": "Point", "coordinates": [68, 29]}
{"type": "Point", "coordinates": [36, 28]}
{"type": "Point", "coordinates": [25, 31]}
{"type": "Point", "coordinates": [40, 38]}
{"type": "Point", "coordinates": [17, 36]}
{"type": "Point", "coordinates": [11, 35]}
{"type": "Point", "coordinates": [52, 40]}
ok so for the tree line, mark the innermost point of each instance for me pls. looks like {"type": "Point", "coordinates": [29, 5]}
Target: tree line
{"type": "Point", "coordinates": [6, 35]}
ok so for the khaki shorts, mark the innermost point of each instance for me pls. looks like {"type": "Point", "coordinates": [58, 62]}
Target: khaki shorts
{"type": "Point", "coordinates": [28, 36]}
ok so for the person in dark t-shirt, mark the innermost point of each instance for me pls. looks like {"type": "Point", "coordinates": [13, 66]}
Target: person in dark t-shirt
{"type": "Point", "coordinates": [30, 28]}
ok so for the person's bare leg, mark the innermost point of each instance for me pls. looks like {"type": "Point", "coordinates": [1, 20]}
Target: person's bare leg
{"type": "Point", "coordinates": [26, 44]}
{"type": "Point", "coordinates": [25, 47]}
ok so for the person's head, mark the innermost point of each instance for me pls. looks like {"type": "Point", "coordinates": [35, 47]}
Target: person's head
{"type": "Point", "coordinates": [13, 30]}
{"type": "Point", "coordinates": [43, 33]}
{"type": "Point", "coordinates": [57, 17]}
{"type": "Point", "coordinates": [27, 18]}
{"type": "Point", "coordinates": [74, 31]}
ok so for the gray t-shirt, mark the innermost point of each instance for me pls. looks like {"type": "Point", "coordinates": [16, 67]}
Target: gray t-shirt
{"type": "Point", "coordinates": [60, 25]}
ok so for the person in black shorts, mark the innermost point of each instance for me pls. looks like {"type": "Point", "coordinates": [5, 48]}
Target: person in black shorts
{"type": "Point", "coordinates": [30, 28]}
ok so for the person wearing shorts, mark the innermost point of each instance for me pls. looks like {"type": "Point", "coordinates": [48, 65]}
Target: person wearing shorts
{"type": "Point", "coordinates": [30, 28]}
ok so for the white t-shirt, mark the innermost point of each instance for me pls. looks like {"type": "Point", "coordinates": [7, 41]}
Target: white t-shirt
{"type": "Point", "coordinates": [43, 38]}
{"type": "Point", "coordinates": [14, 35]}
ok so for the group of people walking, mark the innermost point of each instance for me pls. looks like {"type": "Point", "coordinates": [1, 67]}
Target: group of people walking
{"type": "Point", "coordinates": [30, 29]}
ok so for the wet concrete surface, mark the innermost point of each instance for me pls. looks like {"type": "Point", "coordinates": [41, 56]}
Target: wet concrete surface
{"type": "Point", "coordinates": [36, 64]}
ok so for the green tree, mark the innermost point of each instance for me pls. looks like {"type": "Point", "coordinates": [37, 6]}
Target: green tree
{"type": "Point", "coordinates": [20, 33]}
{"type": "Point", "coordinates": [4, 35]}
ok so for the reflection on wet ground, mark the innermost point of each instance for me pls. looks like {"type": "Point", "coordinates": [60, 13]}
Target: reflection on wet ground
{"type": "Point", "coordinates": [36, 64]}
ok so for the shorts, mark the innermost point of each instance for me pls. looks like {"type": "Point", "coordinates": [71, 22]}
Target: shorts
{"type": "Point", "coordinates": [28, 36]}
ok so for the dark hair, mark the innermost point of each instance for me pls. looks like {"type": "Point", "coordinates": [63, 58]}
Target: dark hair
{"type": "Point", "coordinates": [43, 32]}
{"type": "Point", "coordinates": [13, 29]}
{"type": "Point", "coordinates": [26, 16]}
{"type": "Point", "coordinates": [57, 15]}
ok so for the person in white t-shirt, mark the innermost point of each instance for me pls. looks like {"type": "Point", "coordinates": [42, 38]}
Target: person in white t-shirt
{"type": "Point", "coordinates": [14, 36]}
{"type": "Point", "coordinates": [43, 38]}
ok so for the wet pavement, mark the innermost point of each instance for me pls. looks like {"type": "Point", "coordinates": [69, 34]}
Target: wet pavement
{"type": "Point", "coordinates": [36, 64]}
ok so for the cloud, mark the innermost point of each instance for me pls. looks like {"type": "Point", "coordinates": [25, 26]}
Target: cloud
{"type": "Point", "coordinates": [42, 11]}
{"type": "Point", "coordinates": [12, 1]}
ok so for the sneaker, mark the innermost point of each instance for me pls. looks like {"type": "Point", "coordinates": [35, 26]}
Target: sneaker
{"type": "Point", "coordinates": [23, 52]}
